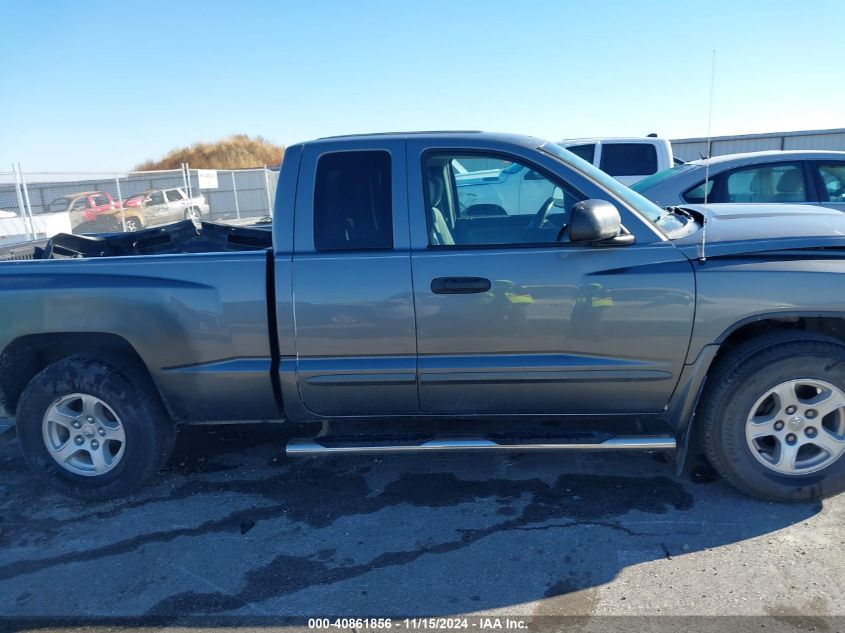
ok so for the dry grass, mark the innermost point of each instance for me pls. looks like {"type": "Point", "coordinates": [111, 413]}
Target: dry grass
{"type": "Point", "coordinates": [238, 151]}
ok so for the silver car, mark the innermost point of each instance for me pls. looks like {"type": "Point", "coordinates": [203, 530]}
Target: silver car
{"type": "Point", "coordinates": [801, 176]}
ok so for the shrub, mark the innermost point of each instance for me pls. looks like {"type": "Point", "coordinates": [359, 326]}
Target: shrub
{"type": "Point", "coordinates": [238, 151]}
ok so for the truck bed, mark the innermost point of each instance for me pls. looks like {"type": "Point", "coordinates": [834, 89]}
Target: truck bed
{"type": "Point", "coordinates": [180, 237]}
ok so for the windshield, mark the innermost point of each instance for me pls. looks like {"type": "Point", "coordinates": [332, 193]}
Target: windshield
{"type": "Point", "coordinates": [647, 183]}
{"type": "Point", "coordinates": [647, 208]}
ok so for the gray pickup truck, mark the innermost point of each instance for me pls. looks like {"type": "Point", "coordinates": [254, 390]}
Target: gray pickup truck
{"type": "Point", "coordinates": [395, 315]}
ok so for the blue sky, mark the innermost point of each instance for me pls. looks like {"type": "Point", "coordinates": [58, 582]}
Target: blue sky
{"type": "Point", "coordinates": [91, 85]}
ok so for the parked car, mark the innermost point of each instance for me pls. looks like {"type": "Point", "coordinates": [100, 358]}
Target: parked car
{"type": "Point", "coordinates": [629, 160]}
{"type": "Point", "coordinates": [96, 212]}
{"type": "Point", "coordinates": [374, 296]}
{"type": "Point", "coordinates": [798, 176]}
{"type": "Point", "coordinates": [85, 206]}
{"type": "Point", "coordinates": [162, 206]}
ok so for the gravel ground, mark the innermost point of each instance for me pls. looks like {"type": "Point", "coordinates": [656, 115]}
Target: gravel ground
{"type": "Point", "coordinates": [232, 532]}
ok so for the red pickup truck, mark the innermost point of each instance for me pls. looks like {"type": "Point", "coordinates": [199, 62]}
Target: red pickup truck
{"type": "Point", "coordinates": [95, 211]}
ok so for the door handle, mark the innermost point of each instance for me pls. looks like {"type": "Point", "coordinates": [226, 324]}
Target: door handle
{"type": "Point", "coordinates": [459, 285]}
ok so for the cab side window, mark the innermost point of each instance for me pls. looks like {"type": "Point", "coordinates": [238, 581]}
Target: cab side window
{"type": "Point", "coordinates": [586, 151]}
{"type": "Point", "coordinates": [502, 202]}
{"type": "Point", "coordinates": [353, 202]}
{"type": "Point", "coordinates": [173, 195]}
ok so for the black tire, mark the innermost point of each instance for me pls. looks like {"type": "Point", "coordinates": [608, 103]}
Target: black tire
{"type": "Point", "coordinates": [735, 386]}
{"type": "Point", "coordinates": [128, 390]}
{"type": "Point", "coordinates": [189, 214]}
{"type": "Point", "coordinates": [133, 224]}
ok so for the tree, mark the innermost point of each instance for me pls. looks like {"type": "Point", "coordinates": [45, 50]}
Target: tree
{"type": "Point", "coordinates": [238, 151]}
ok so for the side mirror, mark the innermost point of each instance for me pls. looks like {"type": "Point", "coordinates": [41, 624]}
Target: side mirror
{"type": "Point", "coordinates": [596, 221]}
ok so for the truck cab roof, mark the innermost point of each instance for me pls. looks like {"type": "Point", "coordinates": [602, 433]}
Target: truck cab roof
{"type": "Point", "coordinates": [457, 135]}
{"type": "Point", "coordinates": [651, 140]}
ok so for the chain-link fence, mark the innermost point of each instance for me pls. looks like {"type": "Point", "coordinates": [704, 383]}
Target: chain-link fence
{"type": "Point", "coordinates": [38, 205]}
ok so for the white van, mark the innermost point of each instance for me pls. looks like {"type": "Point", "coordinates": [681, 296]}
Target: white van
{"type": "Point", "coordinates": [626, 159]}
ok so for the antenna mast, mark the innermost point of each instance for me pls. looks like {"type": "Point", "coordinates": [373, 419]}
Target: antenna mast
{"type": "Point", "coordinates": [707, 164]}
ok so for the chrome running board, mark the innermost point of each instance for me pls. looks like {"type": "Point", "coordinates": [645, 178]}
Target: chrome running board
{"type": "Point", "coordinates": [315, 447]}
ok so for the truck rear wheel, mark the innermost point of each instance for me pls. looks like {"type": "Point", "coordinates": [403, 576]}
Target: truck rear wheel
{"type": "Point", "coordinates": [93, 429]}
{"type": "Point", "coordinates": [773, 420]}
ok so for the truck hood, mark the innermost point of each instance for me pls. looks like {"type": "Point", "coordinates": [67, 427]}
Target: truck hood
{"type": "Point", "coordinates": [739, 229]}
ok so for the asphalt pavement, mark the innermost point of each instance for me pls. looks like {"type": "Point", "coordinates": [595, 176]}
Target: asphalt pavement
{"type": "Point", "coordinates": [233, 533]}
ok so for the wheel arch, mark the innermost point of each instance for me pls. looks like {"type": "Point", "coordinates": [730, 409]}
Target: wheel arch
{"type": "Point", "coordinates": [692, 386]}
{"type": "Point", "coordinates": [829, 323]}
{"type": "Point", "coordinates": [24, 357]}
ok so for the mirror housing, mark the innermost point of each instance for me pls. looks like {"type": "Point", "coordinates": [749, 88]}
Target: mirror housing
{"type": "Point", "coordinates": [594, 220]}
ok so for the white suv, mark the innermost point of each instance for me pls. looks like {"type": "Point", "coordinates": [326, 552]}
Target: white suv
{"type": "Point", "coordinates": [161, 206]}
{"type": "Point", "coordinates": [626, 159]}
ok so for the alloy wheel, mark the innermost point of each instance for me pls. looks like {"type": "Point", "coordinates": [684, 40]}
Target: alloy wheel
{"type": "Point", "coordinates": [797, 427]}
{"type": "Point", "coordinates": [83, 434]}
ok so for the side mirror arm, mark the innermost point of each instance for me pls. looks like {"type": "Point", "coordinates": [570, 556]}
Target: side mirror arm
{"type": "Point", "coordinates": [623, 239]}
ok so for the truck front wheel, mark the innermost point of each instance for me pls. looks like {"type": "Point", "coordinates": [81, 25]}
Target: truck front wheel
{"type": "Point", "coordinates": [93, 429]}
{"type": "Point", "coordinates": [773, 420]}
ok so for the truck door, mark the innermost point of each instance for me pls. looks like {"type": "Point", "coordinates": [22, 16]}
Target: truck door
{"type": "Point", "coordinates": [351, 281]}
{"type": "Point", "coordinates": [512, 320]}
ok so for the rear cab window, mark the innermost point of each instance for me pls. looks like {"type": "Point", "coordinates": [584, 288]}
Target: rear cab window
{"type": "Point", "coordinates": [353, 201]}
{"type": "Point", "coordinates": [628, 159]}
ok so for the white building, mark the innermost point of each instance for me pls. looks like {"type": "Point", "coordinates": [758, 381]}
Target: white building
{"type": "Point", "coordinates": [693, 148]}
